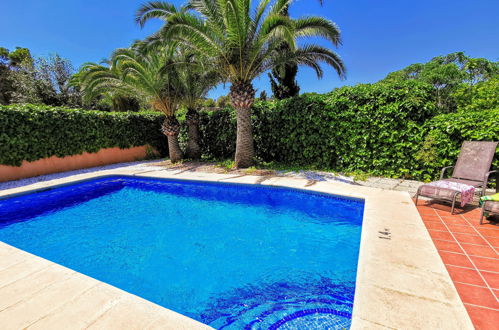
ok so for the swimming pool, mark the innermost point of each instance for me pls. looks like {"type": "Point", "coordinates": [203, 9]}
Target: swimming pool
{"type": "Point", "coordinates": [228, 255]}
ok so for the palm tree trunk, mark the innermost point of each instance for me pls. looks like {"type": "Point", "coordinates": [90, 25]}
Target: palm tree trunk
{"type": "Point", "coordinates": [193, 149]}
{"type": "Point", "coordinates": [171, 128]}
{"type": "Point", "coordinates": [242, 96]}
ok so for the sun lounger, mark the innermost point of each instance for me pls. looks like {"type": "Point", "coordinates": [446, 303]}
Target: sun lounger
{"type": "Point", "coordinates": [472, 171]}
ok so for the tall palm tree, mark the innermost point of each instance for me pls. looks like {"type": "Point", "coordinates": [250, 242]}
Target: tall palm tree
{"type": "Point", "coordinates": [283, 78]}
{"type": "Point", "coordinates": [142, 73]}
{"type": "Point", "coordinates": [241, 45]}
{"type": "Point", "coordinates": [197, 77]}
{"type": "Point", "coordinates": [117, 99]}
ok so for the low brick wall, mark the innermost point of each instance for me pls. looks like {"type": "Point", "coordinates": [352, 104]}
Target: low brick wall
{"type": "Point", "coordinates": [56, 164]}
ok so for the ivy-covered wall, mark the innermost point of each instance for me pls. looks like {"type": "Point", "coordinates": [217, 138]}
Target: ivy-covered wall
{"type": "Point", "coordinates": [29, 132]}
{"type": "Point", "coordinates": [384, 129]}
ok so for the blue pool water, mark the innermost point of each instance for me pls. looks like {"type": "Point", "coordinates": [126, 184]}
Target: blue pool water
{"type": "Point", "coordinates": [231, 256]}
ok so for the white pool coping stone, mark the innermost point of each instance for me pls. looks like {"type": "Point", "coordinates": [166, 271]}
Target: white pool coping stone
{"type": "Point", "coordinates": [401, 281]}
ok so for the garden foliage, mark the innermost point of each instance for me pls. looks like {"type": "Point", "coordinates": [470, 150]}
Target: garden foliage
{"type": "Point", "coordinates": [388, 129]}
{"type": "Point", "coordinates": [383, 129]}
{"type": "Point", "coordinates": [33, 132]}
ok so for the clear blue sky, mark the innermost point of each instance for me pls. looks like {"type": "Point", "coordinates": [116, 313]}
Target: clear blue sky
{"type": "Point", "coordinates": [379, 36]}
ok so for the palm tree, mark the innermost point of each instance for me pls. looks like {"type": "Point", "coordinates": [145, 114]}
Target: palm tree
{"type": "Point", "coordinates": [283, 78]}
{"type": "Point", "coordinates": [195, 80]}
{"type": "Point", "coordinates": [116, 99]}
{"type": "Point", "coordinates": [241, 45]}
{"type": "Point", "coordinates": [134, 71]}
{"type": "Point", "coordinates": [197, 77]}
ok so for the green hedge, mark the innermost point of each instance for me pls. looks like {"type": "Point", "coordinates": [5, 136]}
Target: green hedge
{"type": "Point", "coordinates": [442, 136]}
{"type": "Point", "coordinates": [33, 132]}
{"type": "Point", "coordinates": [386, 130]}
{"type": "Point", "coordinates": [383, 129]}
{"type": "Point", "coordinates": [368, 128]}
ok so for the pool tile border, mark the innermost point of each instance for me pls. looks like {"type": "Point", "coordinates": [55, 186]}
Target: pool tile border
{"type": "Point", "coordinates": [401, 281]}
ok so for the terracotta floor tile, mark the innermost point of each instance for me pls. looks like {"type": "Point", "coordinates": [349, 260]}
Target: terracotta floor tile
{"type": "Point", "coordinates": [435, 225]}
{"type": "Point", "coordinates": [435, 218]}
{"type": "Point", "coordinates": [485, 221]}
{"type": "Point", "coordinates": [483, 318]}
{"type": "Point", "coordinates": [447, 246]}
{"type": "Point", "coordinates": [449, 216]}
{"type": "Point", "coordinates": [443, 235]}
{"type": "Point", "coordinates": [467, 238]}
{"type": "Point", "coordinates": [456, 259]}
{"type": "Point", "coordinates": [426, 211]}
{"type": "Point", "coordinates": [480, 251]}
{"type": "Point", "coordinates": [476, 295]}
{"type": "Point", "coordinates": [486, 225]}
{"type": "Point", "coordinates": [489, 232]}
{"type": "Point", "coordinates": [492, 279]}
{"type": "Point", "coordinates": [462, 229]}
{"type": "Point", "coordinates": [464, 275]}
{"type": "Point", "coordinates": [493, 241]}
{"type": "Point", "coordinates": [488, 264]}
{"type": "Point", "coordinates": [473, 222]}
{"type": "Point", "coordinates": [443, 209]}
{"type": "Point", "coordinates": [471, 286]}
{"type": "Point", "coordinates": [454, 221]}
{"type": "Point", "coordinates": [473, 215]}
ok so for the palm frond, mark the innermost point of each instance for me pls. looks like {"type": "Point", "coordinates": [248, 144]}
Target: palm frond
{"type": "Point", "coordinates": [241, 43]}
{"type": "Point", "coordinates": [318, 26]}
{"type": "Point", "coordinates": [311, 56]}
{"type": "Point", "coordinates": [154, 9]}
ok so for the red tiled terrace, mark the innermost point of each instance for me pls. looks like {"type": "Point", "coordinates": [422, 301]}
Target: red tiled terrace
{"type": "Point", "coordinates": [470, 254]}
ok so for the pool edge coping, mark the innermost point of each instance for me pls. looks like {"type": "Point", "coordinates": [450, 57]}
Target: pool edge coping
{"type": "Point", "coordinates": [420, 281]}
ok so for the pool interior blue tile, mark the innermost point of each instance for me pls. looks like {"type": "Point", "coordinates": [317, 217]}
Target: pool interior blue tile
{"type": "Point", "coordinates": [230, 255]}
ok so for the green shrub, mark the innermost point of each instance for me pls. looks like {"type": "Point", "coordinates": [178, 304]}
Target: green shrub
{"type": "Point", "coordinates": [443, 135]}
{"type": "Point", "coordinates": [386, 129]}
{"type": "Point", "coordinates": [29, 132]}
{"type": "Point", "coordinates": [382, 129]}
{"type": "Point", "coordinates": [218, 133]}
{"type": "Point", "coordinates": [368, 128]}
{"type": "Point", "coordinates": [480, 97]}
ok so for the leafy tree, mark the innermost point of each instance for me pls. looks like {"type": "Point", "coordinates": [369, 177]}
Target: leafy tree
{"type": "Point", "coordinates": [4, 55]}
{"type": "Point", "coordinates": [480, 69]}
{"type": "Point", "coordinates": [483, 95]}
{"type": "Point", "coordinates": [20, 57]}
{"type": "Point", "coordinates": [24, 80]}
{"type": "Point", "coordinates": [6, 84]}
{"type": "Point", "coordinates": [42, 80]}
{"type": "Point", "coordinates": [17, 73]}
{"type": "Point", "coordinates": [241, 45]}
{"type": "Point", "coordinates": [448, 74]}
{"type": "Point", "coordinates": [223, 101]}
{"type": "Point", "coordinates": [263, 96]}
{"type": "Point", "coordinates": [209, 103]}
{"type": "Point", "coordinates": [53, 74]}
